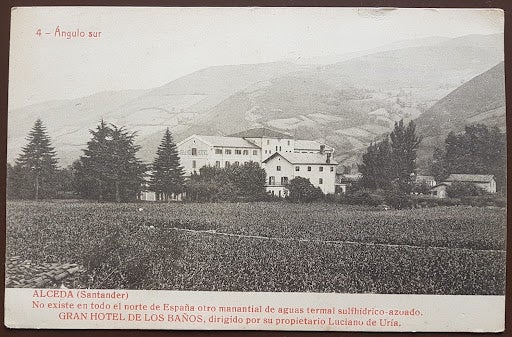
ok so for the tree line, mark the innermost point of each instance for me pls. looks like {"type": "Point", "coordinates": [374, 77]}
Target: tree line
{"type": "Point", "coordinates": [109, 169]}
{"type": "Point", "coordinates": [389, 165]}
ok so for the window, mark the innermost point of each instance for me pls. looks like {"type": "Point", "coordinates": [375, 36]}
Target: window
{"type": "Point", "coordinates": [218, 151]}
{"type": "Point", "coordinates": [284, 180]}
{"type": "Point", "coordinates": [227, 151]}
{"type": "Point", "coordinates": [332, 168]}
{"type": "Point", "coordinates": [217, 163]}
{"type": "Point", "coordinates": [320, 181]}
{"type": "Point", "coordinates": [271, 180]}
{"type": "Point", "coordinates": [277, 148]}
{"type": "Point", "coordinates": [236, 163]}
{"type": "Point", "coordinates": [297, 168]}
{"type": "Point", "coordinates": [228, 164]}
{"type": "Point", "coordinates": [193, 164]}
{"type": "Point", "coordinates": [254, 152]}
{"type": "Point", "coordinates": [238, 151]}
{"type": "Point", "coordinates": [309, 168]}
{"type": "Point", "coordinates": [288, 143]}
{"type": "Point", "coordinates": [278, 168]}
{"type": "Point", "coordinates": [194, 151]}
{"type": "Point", "coordinates": [246, 152]}
{"type": "Point", "coordinates": [321, 169]}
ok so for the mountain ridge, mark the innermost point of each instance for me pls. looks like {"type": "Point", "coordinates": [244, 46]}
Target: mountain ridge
{"type": "Point", "coordinates": [347, 104]}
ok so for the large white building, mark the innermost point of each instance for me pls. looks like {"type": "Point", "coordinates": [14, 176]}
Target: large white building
{"type": "Point", "coordinates": [282, 157]}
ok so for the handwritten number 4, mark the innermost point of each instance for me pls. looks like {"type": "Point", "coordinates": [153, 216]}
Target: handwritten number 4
{"type": "Point", "coordinates": [38, 32]}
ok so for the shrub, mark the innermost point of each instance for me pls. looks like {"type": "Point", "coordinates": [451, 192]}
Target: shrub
{"type": "Point", "coordinates": [398, 199]}
{"type": "Point", "coordinates": [302, 190]}
{"type": "Point", "coordinates": [462, 189]}
{"type": "Point", "coordinates": [363, 197]}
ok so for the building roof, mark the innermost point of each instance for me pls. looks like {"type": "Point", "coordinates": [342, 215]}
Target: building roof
{"type": "Point", "coordinates": [261, 133]}
{"type": "Point", "coordinates": [303, 158]}
{"type": "Point", "coordinates": [309, 145]}
{"type": "Point", "coordinates": [473, 178]}
{"type": "Point", "coordinates": [438, 185]}
{"type": "Point", "coordinates": [420, 177]}
{"type": "Point", "coordinates": [221, 141]}
{"type": "Point", "coordinates": [348, 178]}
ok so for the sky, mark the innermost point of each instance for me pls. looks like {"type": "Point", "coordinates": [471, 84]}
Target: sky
{"type": "Point", "coordinates": [141, 48]}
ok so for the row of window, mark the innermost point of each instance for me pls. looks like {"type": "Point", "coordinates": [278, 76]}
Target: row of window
{"type": "Point", "coordinates": [237, 151]}
{"type": "Point", "coordinates": [268, 142]}
{"type": "Point", "coordinates": [297, 168]}
{"type": "Point", "coordinates": [217, 164]}
{"type": "Point", "coordinates": [284, 180]}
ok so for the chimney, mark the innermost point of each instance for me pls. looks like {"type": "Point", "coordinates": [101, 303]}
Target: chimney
{"type": "Point", "coordinates": [322, 149]}
{"type": "Point", "coordinates": [328, 161]}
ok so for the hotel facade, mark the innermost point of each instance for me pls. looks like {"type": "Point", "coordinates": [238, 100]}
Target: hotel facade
{"type": "Point", "coordinates": [282, 157]}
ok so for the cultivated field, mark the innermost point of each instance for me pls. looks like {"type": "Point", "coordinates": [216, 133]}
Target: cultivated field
{"type": "Point", "coordinates": [266, 246]}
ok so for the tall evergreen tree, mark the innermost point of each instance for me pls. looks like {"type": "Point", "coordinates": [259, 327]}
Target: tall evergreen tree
{"type": "Point", "coordinates": [35, 169]}
{"type": "Point", "coordinates": [93, 167]}
{"type": "Point", "coordinates": [376, 166]}
{"type": "Point", "coordinates": [404, 144]}
{"type": "Point", "coordinates": [368, 167]}
{"type": "Point", "coordinates": [167, 177]}
{"type": "Point", "coordinates": [109, 168]}
{"type": "Point", "coordinates": [391, 163]}
{"type": "Point", "coordinates": [124, 169]}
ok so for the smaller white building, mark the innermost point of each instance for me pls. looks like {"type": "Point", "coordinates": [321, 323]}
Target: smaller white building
{"type": "Point", "coordinates": [484, 181]}
{"type": "Point", "coordinates": [281, 168]}
{"type": "Point", "coordinates": [430, 181]}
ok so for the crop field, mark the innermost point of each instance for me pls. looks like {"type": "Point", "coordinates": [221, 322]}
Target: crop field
{"type": "Point", "coordinates": [274, 246]}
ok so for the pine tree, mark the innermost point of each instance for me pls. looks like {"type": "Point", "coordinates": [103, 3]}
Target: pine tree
{"type": "Point", "coordinates": [167, 176]}
{"type": "Point", "coordinates": [109, 169]}
{"type": "Point", "coordinates": [36, 167]}
{"type": "Point", "coordinates": [92, 169]}
{"type": "Point", "coordinates": [124, 169]}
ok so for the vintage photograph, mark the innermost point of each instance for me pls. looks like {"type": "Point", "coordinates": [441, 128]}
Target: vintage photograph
{"type": "Point", "coordinates": [283, 150]}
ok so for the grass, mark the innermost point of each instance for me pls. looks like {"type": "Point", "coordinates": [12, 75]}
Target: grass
{"type": "Point", "coordinates": [442, 250]}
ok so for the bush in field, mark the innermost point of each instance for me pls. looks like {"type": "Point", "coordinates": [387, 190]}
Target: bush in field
{"type": "Point", "coordinates": [462, 189]}
{"type": "Point", "coordinates": [485, 200]}
{"type": "Point", "coordinates": [421, 188]}
{"type": "Point", "coordinates": [302, 190]}
{"type": "Point", "coordinates": [361, 197]}
{"type": "Point", "coordinates": [398, 199]}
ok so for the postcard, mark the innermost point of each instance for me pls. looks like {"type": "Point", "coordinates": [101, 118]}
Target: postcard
{"type": "Point", "coordinates": [251, 168]}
